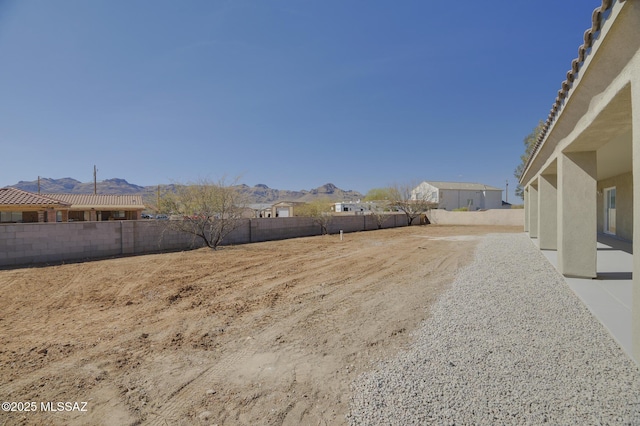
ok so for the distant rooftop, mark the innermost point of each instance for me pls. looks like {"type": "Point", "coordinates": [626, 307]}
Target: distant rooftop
{"type": "Point", "coordinates": [462, 186]}
{"type": "Point", "coordinates": [99, 201]}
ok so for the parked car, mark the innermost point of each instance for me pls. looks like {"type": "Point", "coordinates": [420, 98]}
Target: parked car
{"type": "Point", "coordinates": [147, 216]}
{"type": "Point", "coordinates": [162, 217]}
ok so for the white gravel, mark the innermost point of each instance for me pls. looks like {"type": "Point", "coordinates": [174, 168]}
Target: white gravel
{"type": "Point", "coordinates": [509, 343]}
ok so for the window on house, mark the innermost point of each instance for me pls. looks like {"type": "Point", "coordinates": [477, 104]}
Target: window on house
{"type": "Point", "coordinates": [15, 217]}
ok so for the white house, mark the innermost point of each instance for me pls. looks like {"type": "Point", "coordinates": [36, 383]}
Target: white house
{"type": "Point", "coordinates": [455, 195]}
{"type": "Point", "coordinates": [355, 207]}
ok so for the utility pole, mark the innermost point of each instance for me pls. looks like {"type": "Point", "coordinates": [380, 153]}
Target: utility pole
{"type": "Point", "coordinates": [506, 197]}
{"type": "Point", "coordinates": [95, 184]}
{"type": "Point", "coordinates": [38, 184]}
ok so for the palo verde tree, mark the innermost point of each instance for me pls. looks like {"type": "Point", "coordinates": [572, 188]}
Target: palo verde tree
{"type": "Point", "coordinates": [529, 143]}
{"type": "Point", "coordinates": [319, 210]}
{"type": "Point", "coordinates": [405, 199]}
{"type": "Point", "coordinates": [207, 210]}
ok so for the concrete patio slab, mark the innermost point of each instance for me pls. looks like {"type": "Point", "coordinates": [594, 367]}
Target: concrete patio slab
{"type": "Point", "coordinates": [608, 297]}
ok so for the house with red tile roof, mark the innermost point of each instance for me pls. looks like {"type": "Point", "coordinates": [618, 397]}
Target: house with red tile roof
{"type": "Point", "coordinates": [98, 207]}
{"type": "Point", "coordinates": [18, 206]}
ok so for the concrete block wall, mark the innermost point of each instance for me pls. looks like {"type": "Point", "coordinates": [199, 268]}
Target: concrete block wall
{"type": "Point", "coordinates": [280, 228]}
{"type": "Point", "coordinates": [27, 243]}
{"type": "Point", "coordinates": [31, 243]}
{"type": "Point", "coordinates": [153, 236]}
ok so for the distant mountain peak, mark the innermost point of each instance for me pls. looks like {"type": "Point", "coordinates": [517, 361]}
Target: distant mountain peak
{"type": "Point", "coordinates": [259, 193]}
{"type": "Point", "coordinates": [328, 188]}
{"type": "Point", "coordinates": [117, 180]}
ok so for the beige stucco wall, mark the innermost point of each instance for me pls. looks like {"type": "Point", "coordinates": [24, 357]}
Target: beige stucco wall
{"type": "Point", "coordinates": [503, 217]}
{"type": "Point", "coordinates": [624, 204]}
{"type": "Point", "coordinates": [455, 199]}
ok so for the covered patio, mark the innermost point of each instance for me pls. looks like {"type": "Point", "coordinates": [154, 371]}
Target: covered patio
{"type": "Point", "coordinates": [609, 296]}
{"type": "Point", "coordinates": [582, 187]}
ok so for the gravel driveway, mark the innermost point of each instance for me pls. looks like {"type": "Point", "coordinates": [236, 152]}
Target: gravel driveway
{"type": "Point", "coordinates": [509, 343]}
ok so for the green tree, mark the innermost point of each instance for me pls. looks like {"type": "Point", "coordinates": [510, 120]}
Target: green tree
{"type": "Point", "coordinates": [378, 194]}
{"type": "Point", "coordinates": [529, 144]}
{"type": "Point", "coordinates": [207, 210]}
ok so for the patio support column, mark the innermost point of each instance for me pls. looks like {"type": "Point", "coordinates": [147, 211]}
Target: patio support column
{"type": "Point", "coordinates": [533, 212]}
{"type": "Point", "coordinates": [526, 209]}
{"type": "Point", "coordinates": [577, 214]}
{"type": "Point", "coordinates": [548, 212]}
{"type": "Point", "coordinates": [635, 141]}
{"type": "Point", "coordinates": [51, 215]}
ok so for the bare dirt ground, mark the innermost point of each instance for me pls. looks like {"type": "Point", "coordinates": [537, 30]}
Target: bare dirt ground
{"type": "Point", "coordinates": [269, 333]}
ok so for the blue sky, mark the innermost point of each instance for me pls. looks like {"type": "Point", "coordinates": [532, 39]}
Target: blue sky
{"type": "Point", "coordinates": [291, 94]}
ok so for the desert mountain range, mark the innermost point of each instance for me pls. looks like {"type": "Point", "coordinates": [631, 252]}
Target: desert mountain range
{"type": "Point", "coordinates": [256, 194]}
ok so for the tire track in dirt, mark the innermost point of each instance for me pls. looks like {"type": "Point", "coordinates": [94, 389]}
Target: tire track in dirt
{"type": "Point", "coordinates": [172, 409]}
{"type": "Point", "coordinates": [275, 331]}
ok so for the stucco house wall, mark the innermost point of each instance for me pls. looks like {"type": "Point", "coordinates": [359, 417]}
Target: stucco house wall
{"type": "Point", "coordinates": [455, 199]}
{"type": "Point", "coordinates": [455, 195]}
{"type": "Point", "coordinates": [493, 200]}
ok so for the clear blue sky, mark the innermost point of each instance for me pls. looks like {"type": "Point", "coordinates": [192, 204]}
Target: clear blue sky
{"type": "Point", "coordinates": [289, 93]}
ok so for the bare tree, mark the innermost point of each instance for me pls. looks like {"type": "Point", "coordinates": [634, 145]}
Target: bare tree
{"type": "Point", "coordinates": [206, 209]}
{"type": "Point", "coordinates": [319, 210]}
{"type": "Point", "coordinates": [405, 199]}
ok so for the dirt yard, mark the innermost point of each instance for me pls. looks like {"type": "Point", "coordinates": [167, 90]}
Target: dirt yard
{"type": "Point", "coordinates": [268, 333]}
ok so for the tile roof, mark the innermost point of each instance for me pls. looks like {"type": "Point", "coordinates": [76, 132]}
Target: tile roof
{"type": "Point", "coordinates": [100, 201]}
{"type": "Point", "coordinates": [598, 17]}
{"type": "Point", "coordinates": [16, 197]}
{"type": "Point", "coordinates": [463, 186]}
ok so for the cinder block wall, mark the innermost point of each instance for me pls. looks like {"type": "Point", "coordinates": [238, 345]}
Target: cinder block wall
{"type": "Point", "coordinates": [280, 228]}
{"type": "Point", "coordinates": [31, 243]}
{"type": "Point", "coordinates": [54, 242]}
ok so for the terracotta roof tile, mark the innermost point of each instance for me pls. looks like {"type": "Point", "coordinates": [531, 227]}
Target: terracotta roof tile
{"type": "Point", "coordinates": [597, 19]}
{"type": "Point", "coordinates": [100, 201]}
{"type": "Point", "coordinates": [14, 197]}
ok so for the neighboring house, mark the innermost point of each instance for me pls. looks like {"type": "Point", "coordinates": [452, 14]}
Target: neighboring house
{"type": "Point", "coordinates": [260, 210]}
{"type": "Point", "coordinates": [98, 207]}
{"type": "Point", "coordinates": [21, 206]}
{"type": "Point", "coordinates": [583, 175]}
{"type": "Point", "coordinates": [18, 206]}
{"type": "Point", "coordinates": [456, 195]}
{"type": "Point", "coordinates": [354, 207]}
{"type": "Point", "coordinates": [283, 209]}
